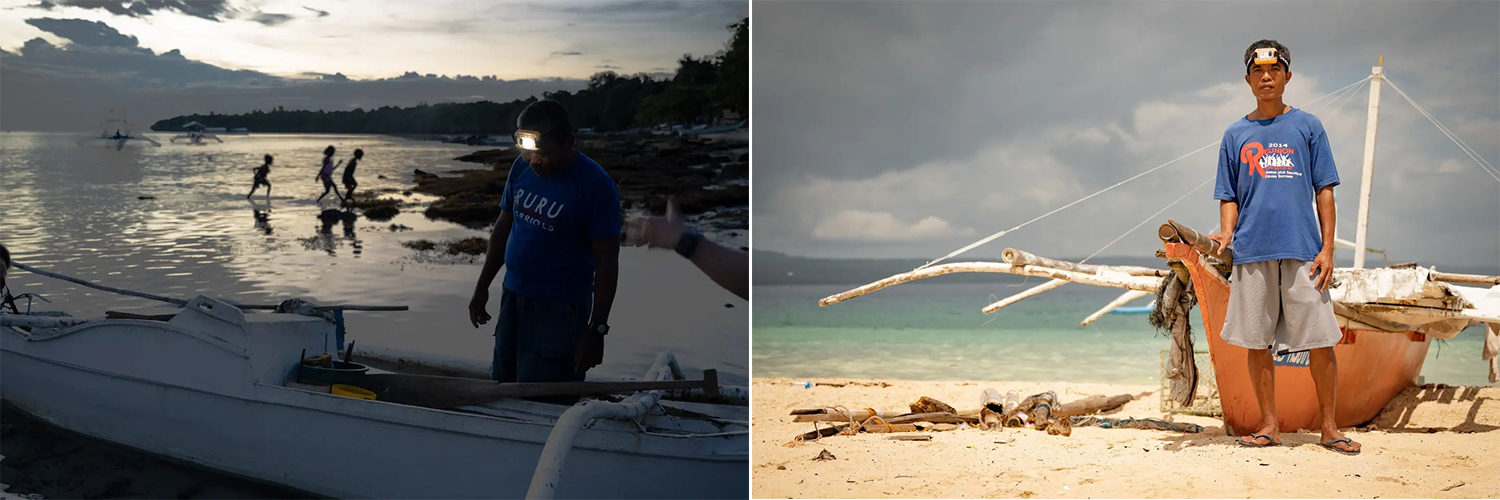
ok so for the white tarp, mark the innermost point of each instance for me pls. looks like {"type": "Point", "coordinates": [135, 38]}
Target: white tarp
{"type": "Point", "coordinates": [1374, 285]}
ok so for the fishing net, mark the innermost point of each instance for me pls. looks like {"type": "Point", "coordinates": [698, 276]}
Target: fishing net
{"type": "Point", "coordinates": [1174, 303]}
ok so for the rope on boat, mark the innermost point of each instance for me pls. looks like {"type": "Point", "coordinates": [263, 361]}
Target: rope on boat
{"type": "Point", "coordinates": [1474, 155]}
{"type": "Point", "coordinates": [183, 302]}
{"type": "Point", "coordinates": [995, 236]}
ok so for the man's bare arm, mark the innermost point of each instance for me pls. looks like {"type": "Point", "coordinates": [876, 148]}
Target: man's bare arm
{"type": "Point", "coordinates": [494, 259]}
{"type": "Point", "coordinates": [1229, 217]}
{"type": "Point", "coordinates": [1322, 272]}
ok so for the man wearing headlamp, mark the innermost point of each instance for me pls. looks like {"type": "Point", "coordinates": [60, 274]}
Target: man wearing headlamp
{"type": "Point", "coordinates": [558, 236]}
{"type": "Point", "coordinates": [1275, 164]}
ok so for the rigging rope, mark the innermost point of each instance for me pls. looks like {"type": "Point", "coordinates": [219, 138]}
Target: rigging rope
{"type": "Point", "coordinates": [1474, 155]}
{"type": "Point", "coordinates": [995, 236]}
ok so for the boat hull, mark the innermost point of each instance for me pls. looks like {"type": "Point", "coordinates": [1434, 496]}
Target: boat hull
{"type": "Point", "coordinates": [1373, 365]}
{"type": "Point", "coordinates": [217, 415]}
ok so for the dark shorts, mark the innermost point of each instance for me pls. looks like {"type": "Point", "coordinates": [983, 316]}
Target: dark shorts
{"type": "Point", "coordinates": [327, 180]}
{"type": "Point", "coordinates": [261, 181]}
{"type": "Point", "coordinates": [535, 340]}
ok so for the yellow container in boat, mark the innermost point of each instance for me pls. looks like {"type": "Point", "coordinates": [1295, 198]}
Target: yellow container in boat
{"type": "Point", "coordinates": [350, 391]}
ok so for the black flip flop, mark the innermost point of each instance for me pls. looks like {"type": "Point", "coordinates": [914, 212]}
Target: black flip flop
{"type": "Point", "coordinates": [1270, 441]}
{"type": "Point", "coordinates": [1330, 445]}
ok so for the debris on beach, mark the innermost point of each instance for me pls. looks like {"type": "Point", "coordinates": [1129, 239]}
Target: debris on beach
{"type": "Point", "coordinates": [929, 405]}
{"type": "Point", "coordinates": [825, 455]}
{"type": "Point", "coordinates": [910, 437]}
{"type": "Point", "coordinates": [1040, 411]}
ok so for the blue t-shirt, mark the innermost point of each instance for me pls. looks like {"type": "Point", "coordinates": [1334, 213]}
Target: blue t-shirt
{"type": "Point", "coordinates": [549, 254]}
{"type": "Point", "coordinates": [1273, 170]}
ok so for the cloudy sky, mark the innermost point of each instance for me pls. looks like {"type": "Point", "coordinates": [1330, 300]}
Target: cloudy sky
{"type": "Point", "coordinates": [910, 129]}
{"type": "Point", "coordinates": [66, 60]}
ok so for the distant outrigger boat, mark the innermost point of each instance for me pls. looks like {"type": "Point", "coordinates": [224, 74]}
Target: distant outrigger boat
{"type": "Point", "coordinates": [1388, 316]}
{"type": "Point", "coordinates": [196, 135]}
{"type": "Point", "coordinates": [116, 133]}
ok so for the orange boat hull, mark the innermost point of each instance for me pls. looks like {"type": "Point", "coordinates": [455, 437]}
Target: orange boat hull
{"type": "Point", "coordinates": [1373, 365]}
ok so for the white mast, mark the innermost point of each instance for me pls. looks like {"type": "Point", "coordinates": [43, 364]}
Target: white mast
{"type": "Point", "coordinates": [1371, 123]}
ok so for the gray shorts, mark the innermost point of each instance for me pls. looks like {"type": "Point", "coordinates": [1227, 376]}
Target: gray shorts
{"type": "Point", "coordinates": [1274, 304]}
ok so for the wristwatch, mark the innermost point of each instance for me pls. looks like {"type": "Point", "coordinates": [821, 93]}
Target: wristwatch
{"type": "Point", "coordinates": [688, 242]}
{"type": "Point", "coordinates": [601, 329]}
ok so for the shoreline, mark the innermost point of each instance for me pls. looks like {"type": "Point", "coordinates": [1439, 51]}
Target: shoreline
{"type": "Point", "coordinates": [1429, 443]}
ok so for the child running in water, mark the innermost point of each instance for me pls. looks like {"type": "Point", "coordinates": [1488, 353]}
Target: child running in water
{"type": "Point", "coordinates": [326, 174]}
{"type": "Point", "coordinates": [349, 182]}
{"type": "Point", "coordinates": [261, 173]}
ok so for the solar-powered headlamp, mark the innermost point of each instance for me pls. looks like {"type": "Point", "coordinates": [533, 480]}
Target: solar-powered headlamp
{"type": "Point", "coordinates": [528, 140]}
{"type": "Point", "coordinates": [1266, 56]}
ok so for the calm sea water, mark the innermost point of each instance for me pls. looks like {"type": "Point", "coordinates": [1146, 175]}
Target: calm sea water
{"type": "Point", "coordinates": [925, 331]}
{"type": "Point", "coordinates": [77, 211]}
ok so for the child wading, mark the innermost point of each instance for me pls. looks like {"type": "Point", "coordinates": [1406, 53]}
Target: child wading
{"type": "Point", "coordinates": [261, 173]}
{"type": "Point", "coordinates": [349, 182]}
{"type": "Point", "coordinates": [326, 174]}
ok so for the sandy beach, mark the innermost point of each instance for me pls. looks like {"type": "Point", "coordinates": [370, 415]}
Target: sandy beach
{"type": "Point", "coordinates": [1431, 442]}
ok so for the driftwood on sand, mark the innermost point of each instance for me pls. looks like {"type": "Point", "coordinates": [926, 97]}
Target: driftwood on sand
{"type": "Point", "coordinates": [1041, 411]}
{"type": "Point", "coordinates": [1093, 404]}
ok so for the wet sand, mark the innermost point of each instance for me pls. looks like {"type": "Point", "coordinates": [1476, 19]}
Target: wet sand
{"type": "Point", "coordinates": [54, 463]}
{"type": "Point", "coordinates": [1431, 442]}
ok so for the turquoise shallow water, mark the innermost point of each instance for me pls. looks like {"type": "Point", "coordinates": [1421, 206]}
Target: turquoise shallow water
{"type": "Point", "coordinates": [934, 331]}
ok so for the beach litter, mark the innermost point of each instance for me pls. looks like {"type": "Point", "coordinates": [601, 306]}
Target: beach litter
{"type": "Point", "coordinates": [1040, 411]}
{"type": "Point", "coordinates": [825, 455]}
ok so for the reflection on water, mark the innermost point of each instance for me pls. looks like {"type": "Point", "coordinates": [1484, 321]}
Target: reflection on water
{"type": "Point", "coordinates": [79, 211]}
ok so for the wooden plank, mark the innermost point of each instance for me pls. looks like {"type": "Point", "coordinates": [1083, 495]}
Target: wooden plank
{"type": "Point", "coordinates": [433, 391]}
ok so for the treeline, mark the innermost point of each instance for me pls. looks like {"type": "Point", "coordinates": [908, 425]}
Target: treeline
{"type": "Point", "coordinates": [700, 89]}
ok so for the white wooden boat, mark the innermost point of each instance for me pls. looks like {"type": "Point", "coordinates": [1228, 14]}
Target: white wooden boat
{"type": "Point", "coordinates": [209, 386]}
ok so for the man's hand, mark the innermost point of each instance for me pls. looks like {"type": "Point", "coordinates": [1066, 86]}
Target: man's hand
{"type": "Point", "coordinates": [590, 352]}
{"type": "Point", "coordinates": [1223, 239]}
{"type": "Point", "coordinates": [1322, 270]}
{"type": "Point", "coordinates": [477, 314]}
{"type": "Point", "coordinates": [656, 232]}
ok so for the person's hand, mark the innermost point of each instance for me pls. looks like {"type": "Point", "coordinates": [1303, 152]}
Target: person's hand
{"type": "Point", "coordinates": [1223, 239]}
{"type": "Point", "coordinates": [477, 314]}
{"type": "Point", "coordinates": [1322, 270]}
{"type": "Point", "coordinates": [590, 352]}
{"type": "Point", "coordinates": [656, 232]}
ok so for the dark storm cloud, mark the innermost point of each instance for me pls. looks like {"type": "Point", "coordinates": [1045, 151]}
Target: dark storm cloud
{"type": "Point", "coordinates": [84, 33]}
{"type": "Point", "coordinates": [955, 120]}
{"type": "Point", "coordinates": [211, 10]}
